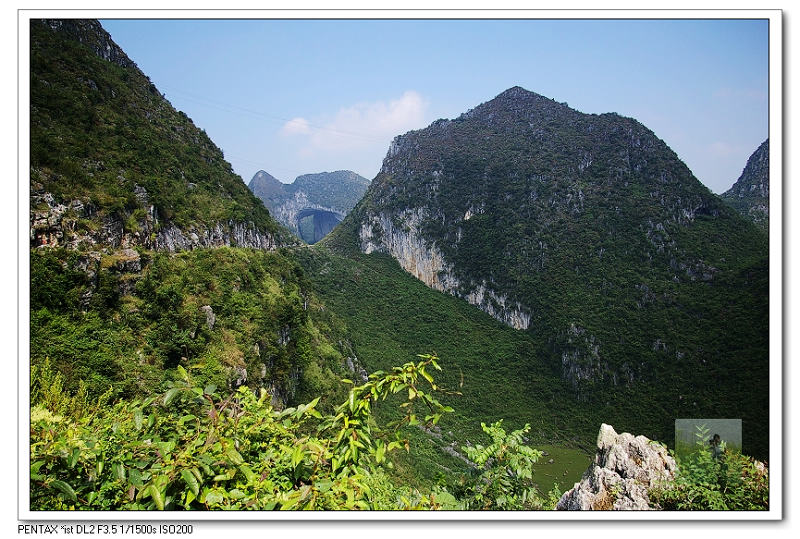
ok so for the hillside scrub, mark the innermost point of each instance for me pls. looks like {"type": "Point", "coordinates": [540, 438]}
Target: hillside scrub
{"type": "Point", "coordinates": [196, 448]}
{"type": "Point", "coordinates": [234, 316]}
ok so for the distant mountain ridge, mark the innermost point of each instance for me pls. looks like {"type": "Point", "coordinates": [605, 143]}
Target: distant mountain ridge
{"type": "Point", "coordinates": [314, 203]}
{"type": "Point", "coordinates": [749, 195]}
{"type": "Point", "coordinates": [266, 187]}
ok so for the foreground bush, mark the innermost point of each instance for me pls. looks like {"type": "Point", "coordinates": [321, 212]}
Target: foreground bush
{"type": "Point", "coordinates": [727, 481]}
{"type": "Point", "coordinates": [194, 449]}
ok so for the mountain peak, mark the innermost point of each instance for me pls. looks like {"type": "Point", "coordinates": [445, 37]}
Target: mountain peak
{"type": "Point", "coordinates": [518, 92]}
{"type": "Point", "coordinates": [517, 102]}
{"type": "Point", "coordinates": [263, 175]}
{"type": "Point", "coordinates": [265, 186]}
{"type": "Point", "coordinates": [749, 195]}
{"type": "Point", "coordinates": [90, 33]}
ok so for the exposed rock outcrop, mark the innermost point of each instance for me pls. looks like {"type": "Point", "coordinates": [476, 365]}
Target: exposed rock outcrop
{"type": "Point", "coordinates": [401, 236]}
{"type": "Point", "coordinates": [749, 195]}
{"type": "Point", "coordinates": [291, 210]}
{"type": "Point", "coordinates": [625, 467]}
{"type": "Point", "coordinates": [75, 225]}
{"type": "Point", "coordinates": [91, 33]}
{"type": "Point", "coordinates": [211, 318]}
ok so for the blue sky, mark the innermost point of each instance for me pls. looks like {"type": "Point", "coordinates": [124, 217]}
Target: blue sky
{"type": "Point", "coordinates": [300, 96]}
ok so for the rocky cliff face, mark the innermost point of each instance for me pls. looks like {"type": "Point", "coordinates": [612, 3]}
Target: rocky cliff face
{"type": "Point", "coordinates": [74, 225]}
{"type": "Point", "coordinates": [400, 236]}
{"type": "Point", "coordinates": [292, 209]}
{"type": "Point", "coordinates": [749, 195]}
{"type": "Point", "coordinates": [625, 467]}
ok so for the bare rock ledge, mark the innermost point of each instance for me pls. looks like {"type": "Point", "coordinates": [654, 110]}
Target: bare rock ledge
{"type": "Point", "coordinates": [625, 467]}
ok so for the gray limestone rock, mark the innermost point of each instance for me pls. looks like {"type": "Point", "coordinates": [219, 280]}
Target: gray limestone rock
{"type": "Point", "coordinates": [625, 467]}
{"type": "Point", "coordinates": [211, 318]}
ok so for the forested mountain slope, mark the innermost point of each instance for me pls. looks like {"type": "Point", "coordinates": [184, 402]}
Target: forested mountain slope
{"type": "Point", "coordinates": [130, 205]}
{"type": "Point", "coordinates": [113, 163]}
{"type": "Point", "coordinates": [590, 234]}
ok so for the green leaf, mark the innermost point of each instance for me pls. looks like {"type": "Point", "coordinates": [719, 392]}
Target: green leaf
{"type": "Point", "coordinates": [297, 455]}
{"type": "Point", "coordinates": [157, 496]}
{"type": "Point", "coordinates": [137, 418]}
{"type": "Point", "coordinates": [209, 389]}
{"type": "Point", "coordinates": [65, 489]}
{"type": "Point", "coordinates": [234, 455]}
{"type": "Point", "coordinates": [191, 481]}
{"type": "Point", "coordinates": [170, 395]}
{"type": "Point", "coordinates": [248, 473]}
{"type": "Point", "coordinates": [190, 497]}
{"type": "Point", "coordinates": [312, 404]}
{"type": "Point", "coordinates": [427, 376]}
{"type": "Point", "coordinates": [213, 498]}
{"type": "Point", "coordinates": [183, 373]}
{"type": "Point", "coordinates": [379, 453]}
{"type": "Point", "coordinates": [196, 473]}
{"type": "Point", "coordinates": [323, 485]}
{"type": "Point", "coordinates": [73, 457]}
{"type": "Point", "coordinates": [118, 470]}
{"type": "Point", "coordinates": [135, 477]}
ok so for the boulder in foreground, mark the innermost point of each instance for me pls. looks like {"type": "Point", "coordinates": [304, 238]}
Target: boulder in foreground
{"type": "Point", "coordinates": [625, 467]}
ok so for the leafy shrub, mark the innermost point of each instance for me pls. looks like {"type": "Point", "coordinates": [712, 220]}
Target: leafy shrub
{"type": "Point", "coordinates": [504, 478]}
{"type": "Point", "coordinates": [729, 481]}
{"type": "Point", "coordinates": [192, 448]}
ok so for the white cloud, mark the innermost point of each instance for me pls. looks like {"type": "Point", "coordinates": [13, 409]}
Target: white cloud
{"type": "Point", "coordinates": [296, 126]}
{"type": "Point", "coordinates": [361, 125]}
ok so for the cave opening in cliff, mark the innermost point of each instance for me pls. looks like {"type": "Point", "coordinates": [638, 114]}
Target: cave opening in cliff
{"type": "Point", "coordinates": [314, 224]}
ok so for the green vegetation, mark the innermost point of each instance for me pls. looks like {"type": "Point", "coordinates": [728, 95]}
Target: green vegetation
{"type": "Point", "coordinates": [727, 481]}
{"type": "Point", "coordinates": [192, 448]}
{"type": "Point", "coordinates": [505, 471]}
{"type": "Point", "coordinates": [388, 313]}
{"type": "Point", "coordinates": [211, 379]}
{"type": "Point", "coordinates": [126, 329]}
